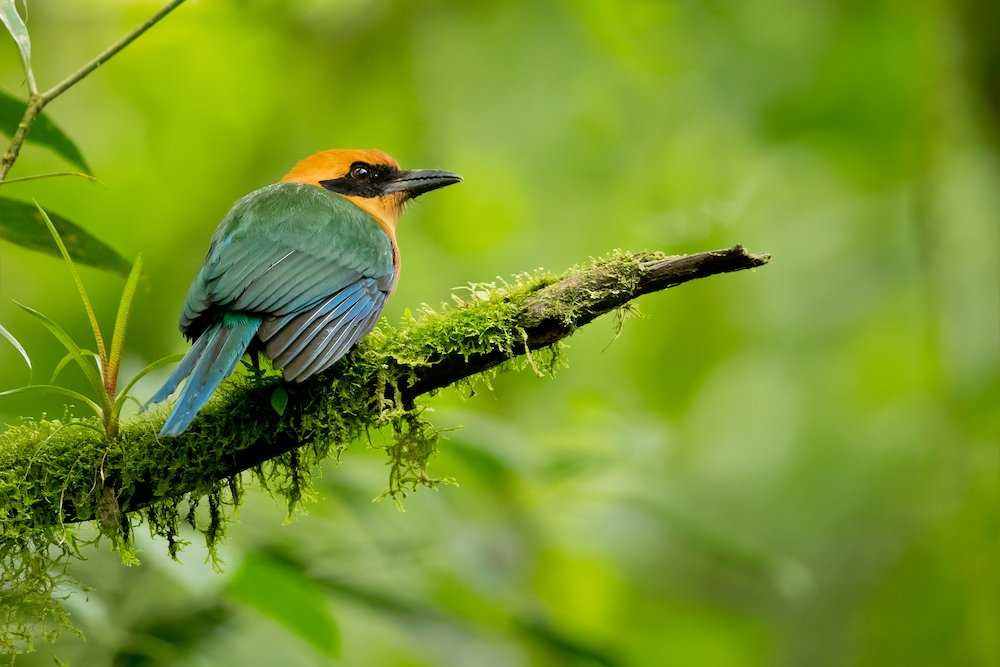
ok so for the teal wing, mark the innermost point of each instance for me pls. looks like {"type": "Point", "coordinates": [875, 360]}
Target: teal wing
{"type": "Point", "coordinates": [313, 266]}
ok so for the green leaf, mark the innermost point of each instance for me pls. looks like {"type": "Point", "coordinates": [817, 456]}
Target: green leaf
{"type": "Point", "coordinates": [17, 345]}
{"type": "Point", "coordinates": [279, 399]}
{"type": "Point", "coordinates": [124, 393]}
{"type": "Point", "coordinates": [69, 393]}
{"type": "Point", "coordinates": [121, 319]}
{"type": "Point", "coordinates": [63, 337]}
{"type": "Point", "coordinates": [19, 31]}
{"type": "Point", "coordinates": [43, 132]}
{"type": "Point", "coordinates": [68, 357]}
{"type": "Point", "coordinates": [52, 174]}
{"type": "Point", "coordinates": [23, 225]}
{"type": "Point", "coordinates": [285, 595]}
{"type": "Point", "coordinates": [171, 635]}
{"type": "Point", "coordinates": [95, 326]}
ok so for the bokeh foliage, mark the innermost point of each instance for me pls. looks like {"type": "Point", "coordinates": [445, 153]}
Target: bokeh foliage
{"type": "Point", "coordinates": [801, 468]}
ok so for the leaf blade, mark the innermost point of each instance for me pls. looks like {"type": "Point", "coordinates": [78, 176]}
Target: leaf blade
{"type": "Point", "coordinates": [68, 357]}
{"type": "Point", "coordinates": [288, 597]}
{"type": "Point", "coordinates": [69, 393]}
{"type": "Point", "coordinates": [121, 320]}
{"type": "Point", "coordinates": [17, 345]}
{"type": "Point", "coordinates": [67, 341]}
{"type": "Point", "coordinates": [52, 174]}
{"type": "Point", "coordinates": [15, 26]}
{"type": "Point", "coordinates": [279, 400]}
{"type": "Point", "coordinates": [44, 132]}
{"type": "Point", "coordinates": [81, 290]}
{"type": "Point", "coordinates": [22, 225]}
{"type": "Point", "coordinates": [163, 361]}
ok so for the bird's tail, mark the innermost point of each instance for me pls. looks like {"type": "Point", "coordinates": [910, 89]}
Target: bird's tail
{"type": "Point", "coordinates": [209, 361]}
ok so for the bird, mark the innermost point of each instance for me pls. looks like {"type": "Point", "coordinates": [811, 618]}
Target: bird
{"type": "Point", "coordinates": [298, 270]}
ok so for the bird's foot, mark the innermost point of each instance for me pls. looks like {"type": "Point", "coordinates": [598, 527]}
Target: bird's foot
{"type": "Point", "coordinates": [254, 366]}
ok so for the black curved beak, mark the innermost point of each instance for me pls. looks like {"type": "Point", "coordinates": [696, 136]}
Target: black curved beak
{"type": "Point", "coordinates": [418, 181]}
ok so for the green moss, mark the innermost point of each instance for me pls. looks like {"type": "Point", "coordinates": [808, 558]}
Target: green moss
{"type": "Point", "coordinates": [52, 469]}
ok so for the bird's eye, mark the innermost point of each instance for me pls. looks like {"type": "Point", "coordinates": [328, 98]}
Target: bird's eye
{"type": "Point", "coordinates": [361, 172]}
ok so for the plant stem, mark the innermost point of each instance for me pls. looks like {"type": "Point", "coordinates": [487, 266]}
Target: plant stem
{"type": "Point", "coordinates": [67, 83]}
{"type": "Point", "coordinates": [38, 101]}
{"type": "Point", "coordinates": [34, 107]}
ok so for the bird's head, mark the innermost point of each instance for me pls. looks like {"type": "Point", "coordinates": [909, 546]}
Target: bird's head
{"type": "Point", "coordinates": [370, 178]}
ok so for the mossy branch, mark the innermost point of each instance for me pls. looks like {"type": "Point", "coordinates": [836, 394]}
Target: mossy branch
{"type": "Point", "coordinates": [79, 477]}
{"type": "Point", "coordinates": [54, 473]}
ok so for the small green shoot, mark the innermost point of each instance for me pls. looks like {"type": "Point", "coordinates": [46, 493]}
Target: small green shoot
{"type": "Point", "coordinates": [279, 400]}
{"type": "Point", "coordinates": [100, 368]}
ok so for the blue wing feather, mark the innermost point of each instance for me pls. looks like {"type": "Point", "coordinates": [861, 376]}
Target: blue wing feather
{"type": "Point", "coordinates": [304, 364]}
{"type": "Point", "coordinates": [288, 343]}
{"type": "Point", "coordinates": [313, 340]}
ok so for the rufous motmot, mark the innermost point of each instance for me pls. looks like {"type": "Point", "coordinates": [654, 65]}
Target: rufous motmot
{"type": "Point", "coordinates": [299, 270]}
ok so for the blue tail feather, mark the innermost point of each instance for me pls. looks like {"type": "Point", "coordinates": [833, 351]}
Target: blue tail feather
{"type": "Point", "coordinates": [212, 358]}
{"type": "Point", "coordinates": [182, 370]}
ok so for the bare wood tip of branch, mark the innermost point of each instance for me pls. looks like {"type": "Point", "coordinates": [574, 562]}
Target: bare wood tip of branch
{"type": "Point", "coordinates": [754, 258]}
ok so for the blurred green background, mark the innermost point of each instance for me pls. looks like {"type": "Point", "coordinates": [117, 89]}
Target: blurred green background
{"type": "Point", "coordinates": [796, 466]}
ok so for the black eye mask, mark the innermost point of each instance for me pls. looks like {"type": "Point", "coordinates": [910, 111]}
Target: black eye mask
{"type": "Point", "coordinates": [382, 180]}
{"type": "Point", "coordinates": [372, 183]}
